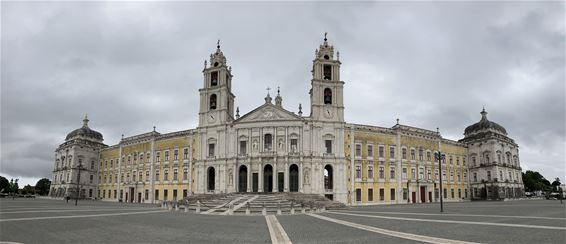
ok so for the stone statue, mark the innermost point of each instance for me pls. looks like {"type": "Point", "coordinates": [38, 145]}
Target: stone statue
{"type": "Point", "coordinates": [230, 177]}
{"type": "Point", "coordinates": [307, 176]}
{"type": "Point", "coordinates": [254, 145]}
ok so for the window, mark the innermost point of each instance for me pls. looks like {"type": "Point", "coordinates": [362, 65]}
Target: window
{"type": "Point", "coordinates": [427, 156]}
{"type": "Point", "coordinates": [420, 154]}
{"type": "Point", "coordinates": [175, 174]}
{"type": "Point", "coordinates": [294, 143]}
{"type": "Point", "coordinates": [444, 175]}
{"type": "Point", "coordinates": [465, 176]}
{"type": "Point", "coordinates": [185, 172]}
{"type": "Point", "coordinates": [267, 142]}
{"type": "Point", "coordinates": [464, 161]}
{"type": "Point", "coordinates": [445, 193]}
{"type": "Point", "coordinates": [128, 177]}
{"type": "Point", "coordinates": [243, 147]}
{"type": "Point", "coordinates": [211, 150]}
{"type": "Point", "coordinates": [176, 154]}
{"type": "Point", "coordinates": [381, 194]}
{"type": "Point", "coordinates": [404, 153]}
{"type": "Point", "coordinates": [381, 152]}
{"type": "Point", "coordinates": [381, 173]}
{"type": "Point", "coordinates": [392, 152]}
{"type": "Point", "coordinates": [358, 171]}
{"type": "Point", "coordinates": [328, 145]}
{"type": "Point", "coordinates": [156, 194]}
{"type": "Point", "coordinates": [405, 193]}
{"type": "Point", "coordinates": [165, 194]}
{"type": "Point", "coordinates": [111, 163]}
{"type": "Point", "coordinates": [473, 160]}
{"type": "Point", "coordinates": [451, 193]}
{"type": "Point", "coordinates": [489, 175]}
{"type": "Point", "coordinates": [327, 96]}
{"type": "Point", "coordinates": [327, 72]}
{"type": "Point", "coordinates": [421, 173]}
{"type": "Point", "coordinates": [166, 175]}
{"type": "Point", "coordinates": [174, 194]}
{"type": "Point", "coordinates": [501, 175]}
{"type": "Point", "coordinates": [429, 175]}
{"type": "Point", "coordinates": [157, 156]}
{"type": "Point", "coordinates": [457, 160]}
{"type": "Point", "coordinates": [392, 194]}
{"type": "Point", "coordinates": [147, 156]}
{"type": "Point", "coordinates": [458, 175]}
{"type": "Point", "coordinates": [370, 172]}
{"type": "Point", "coordinates": [413, 173]}
{"type": "Point", "coordinates": [147, 175]}
{"type": "Point", "coordinates": [186, 153]}
{"type": "Point", "coordinates": [475, 177]}
{"type": "Point", "coordinates": [392, 173]}
{"type": "Point", "coordinates": [404, 173]}
{"type": "Point", "coordinates": [214, 78]}
{"type": "Point", "coordinates": [459, 193]}
{"type": "Point", "coordinates": [91, 179]}
{"type": "Point", "coordinates": [146, 196]}
{"type": "Point", "coordinates": [412, 154]}
{"type": "Point", "coordinates": [91, 165]}
{"type": "Point", "coordinates": [358, 150]}
{"type": "Point", "coordinates": [166, 156]}
{"type": "Point", "coordinates": [134, 176]}
{"type": "Point", "coordinates": [157, 175]}
{"type": "Point", "coordinates": [510, 176]}
{"type": "Point", "coordinates": [370, 151]}
{"type": "Point", "coordinates": [451, 175]}
{"type": "Point", "coordinates": [370, 195]}
{"type": "Point", "coordinates": [358, 195]}
{"type": "Point", "coordinates": [212, 103]}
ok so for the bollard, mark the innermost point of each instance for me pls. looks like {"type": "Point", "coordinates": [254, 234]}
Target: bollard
{"type": "Point", "coordinates": [198, 206]}
{"type": "Point", "coordinates": [323, 208]}
{"type": "Point", "coordinates": [231, 209]}
{"type": "Point", "coordinates": [302, 208]}
{"type": "Point", "coordinates": [264, 211]}
{"type": "Point", "coordinates": [170, 206]}
{"type": "Point", "coordinates": [248, 208]}
{"type": "Point", "coordinates": [187, 207]}
{"type": "Point", "coordinates": [177, 206]}
{"type": "Point", "coordinates": [278, 207]}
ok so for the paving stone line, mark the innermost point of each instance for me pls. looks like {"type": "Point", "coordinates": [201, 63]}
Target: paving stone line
{"type": "Point", "coordinates": [456, 215]}
{"type": "Point", "coordinates": [276, 231]}
{"type": "Point", "coordinates": [81, 216]}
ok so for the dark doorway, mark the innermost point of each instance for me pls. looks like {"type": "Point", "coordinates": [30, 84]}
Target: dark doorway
{"type": "Point", "coordinates": [254, 182]}
{"type": "Point", "coordinates": [328, 177]}
{"type": "Point", "coordinates": [414, 197]}
{"type": "Point", "coordinates": [280, 181]}
{"type": "Point", "coordinates": [211, 179]}
{"type": "Point", "coordinates": [139, 197]}
{"type": "Point", "coordinates": [268, 178]}
{"type": "Point", "coordinates": [423, 194]}
{"type": "Point", "coordinates": [243, 179]}
{"type": "Point", "coordinates": [131, 194]}
{"type": "Point", "coordinates": [294, 178]}
{"type": "Point", "coordinates": [430, 196]}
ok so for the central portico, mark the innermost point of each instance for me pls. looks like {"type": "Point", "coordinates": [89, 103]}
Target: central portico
{"type": "Point", "coordinates": [271, 149]}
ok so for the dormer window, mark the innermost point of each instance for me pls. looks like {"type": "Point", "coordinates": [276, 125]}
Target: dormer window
{"type": "Point", "coordinates": [327, 71]}
{"type": "Point", "coordinates": [214, 77]}
{"type": "Point", "coordinates": [327, 96]}
{"type": "Point", "coordinates": [216, 64]}
{"type": "Point", "coordinates": [213, 102]}
{"type": "Point", "coordinates": [326, 57]}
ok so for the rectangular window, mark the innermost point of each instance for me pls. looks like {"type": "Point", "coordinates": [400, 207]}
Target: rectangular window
{"type": "Point", "coordinates": [211, 150]}
{"type": "Point", "coordinates": [392, 173]}
{"type": "Point", "coordinates": [165, 194]}
{"type": "Point", "coordinates": [392, 194]}
{"type": "Point", "coordinates": [243, 147]}
{"type": "Point", "coordinates": [327, 72]}
{"type": "Point", "coordinates": [186, 153]}
{"type": "Point", "coordinates": [370, 195]}
{"type": "Point", "coordinates": [370, 151]}
{"type": "Point", "coordinates": [146, 195]}
{"type": "Point", "coordinates": [157, 156]}
{"type": "Point", "coordinates": [294, 143]}
{"type": "Point", "coordinates": [358, 195]}
{"type": "Point", "coordinates": [358, 171]}
{"type": "Point", "coordinates": [404, 173]}
{"type": "Point", "coordinates": [413, 154]}
{"type": "Point", "coordinates": [428, 156]}
{"type": "Point", "coordinates": [405, 193]}
{"type": "Point", "coordinates": [176, 155]}
{"type": "Point", "coordinates": [459, 193]}
{"type": "Point", "coordinates": [147, 175]}
{"type": "Point", "coordinates": [404, 153]}
{"type": "Point", "coordinates": [91, 179]}
{"type": "Point", "coordinates": [381, 173]}
{"type": "Point", "coordinates": [445, 193]}
{"type": "Point", "coordinates": [175, 173]}
{"type": "Point", "coordinates": [175, 195]}
{"type": "Point", "coordinates": [185, 193]}
{"type": "Point", "coordinates": [429, 175]}
{"type": "Point", "coordinates": [489, 175]}
{"type": "Point", "coordinates": [392, 152]}
{"type": "Point", "coordinates": [166, 175]}
{"type": "Point", "coordinates": [156, 175]}
{"type": "Point", "coordinates": [381, 194]}
{"type": "Point", "coordinates": [421, 154]}
{"type": "Point", "coordinates": [185, 172]}
{"type": "Point", "coordinates": [358, 150]}
{"type": "Point", "coordinates": [370, 172]}
{"type": "Point", "coordinates": [328, 145]}
{"type": "Point", "coordinates": [214, 78]}
{"type": "Point", "coordinates": [413, 174]}
{"type": "Point", "coordinates": [156, 194]}
{"type": "Point", "coordinates": [166, 155]}
{"type": "Point", "coordinates": [451, 193]}
{"type": "Point", "coordinates": [381, 152]}
{"type": "Point", "coordinates": [421, 174]}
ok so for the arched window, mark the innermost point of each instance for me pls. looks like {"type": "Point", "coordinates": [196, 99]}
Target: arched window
{"type": "Point", "coordinates": [327, 96]}
{"type": "Point", "coordinates": [212, 102]}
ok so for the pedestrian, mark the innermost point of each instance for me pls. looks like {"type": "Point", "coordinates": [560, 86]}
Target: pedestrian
{"type": "Point", "coordinates": [67, 198]}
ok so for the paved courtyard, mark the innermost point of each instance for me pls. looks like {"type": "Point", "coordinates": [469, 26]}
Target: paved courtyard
{"type": "Point", "coordinates": [54, 221]}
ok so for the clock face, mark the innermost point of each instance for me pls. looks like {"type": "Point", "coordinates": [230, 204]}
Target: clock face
{"type": "Point", "coordinates": [328, 113]}
{"type": "Point", "coordinates": [211, 117]}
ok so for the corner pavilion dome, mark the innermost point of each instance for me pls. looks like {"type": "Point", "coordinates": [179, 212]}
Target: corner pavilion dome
{"type": "Point", "coordinates": [484, 124]}
{"type": "Point", "coordinates": [85, 131]}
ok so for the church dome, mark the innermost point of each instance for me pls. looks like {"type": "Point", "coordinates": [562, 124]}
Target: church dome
{"type": "Point", "coordinates": [85, 131]}
{"type": "Point", "coordinates": [484, 124]}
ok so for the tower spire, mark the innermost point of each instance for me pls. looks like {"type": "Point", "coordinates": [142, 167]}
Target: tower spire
{"type": "Point", "coordinates": [218, 44]}
{"type": "Point", "coordinates": [85, 121]}
{"type": "Point", "coordinates": [483, 113]}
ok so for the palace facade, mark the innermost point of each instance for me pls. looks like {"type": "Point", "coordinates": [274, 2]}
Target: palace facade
{"type": "Point", "coordinates": [272, 149]}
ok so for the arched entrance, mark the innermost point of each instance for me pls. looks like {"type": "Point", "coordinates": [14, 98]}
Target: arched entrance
{"type": "Point", "coordinates": [211, 179]}
{"type": "Point", "coordinates": [268, 178]}
{"type": "Point", "coordinates": [328, 175]}
{"type": "Point", "coordinates": [243, 179]}
{"type": "Point", "coordinates": [294, 178]}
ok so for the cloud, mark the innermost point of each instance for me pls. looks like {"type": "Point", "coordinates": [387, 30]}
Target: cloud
{"type": "Point", "coordinates": [134, 65]}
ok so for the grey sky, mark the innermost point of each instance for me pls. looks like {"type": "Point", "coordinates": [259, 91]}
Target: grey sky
{"type": "Point", "coordinates": [134, 65]}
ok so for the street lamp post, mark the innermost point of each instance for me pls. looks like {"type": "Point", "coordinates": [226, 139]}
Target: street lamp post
{"type": "Point", "coordinates": [440, 156]}
{"type": "Point", "coordinates": [79, 167]}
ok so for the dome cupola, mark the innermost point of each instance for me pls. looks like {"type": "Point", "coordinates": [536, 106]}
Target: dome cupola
{"type": "Point", "coordinates": [484, 125]}
{"type": "Point", "coordinates": [85, 132]}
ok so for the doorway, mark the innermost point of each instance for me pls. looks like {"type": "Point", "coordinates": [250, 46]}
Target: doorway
{"type": "Point", "coordinates": [243, 179]}
{"type": "Point", "coordinates": [268, 178]}
{"type": "Point", "coordinates": [414, 197]}
{"type": "Point", "coordinates": [211, 179]}
{"type": "Point", "coordinates": [294, 178]}
{"type": "Point", "coordinates": [280, 181]}
{"type": "Point", "coordinates": [254, 182]}
{"type": "Point", "coordinates": [423, 194]}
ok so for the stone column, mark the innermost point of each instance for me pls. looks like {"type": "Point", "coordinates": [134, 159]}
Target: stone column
{"type": "Point", "coordinates": [249, 166]}
{"type": "Point", "coordinates": [275, 176]}
{"type": "Point", "coordinates": [260, 176]}
{"type": "Point", "coordinates": [286, 176]}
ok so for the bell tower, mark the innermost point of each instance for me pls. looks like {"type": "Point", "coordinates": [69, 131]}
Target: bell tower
{"type": "Point", "coordinates": [327, 100]}
{"type": "Point", "coordinates": [216, 98]}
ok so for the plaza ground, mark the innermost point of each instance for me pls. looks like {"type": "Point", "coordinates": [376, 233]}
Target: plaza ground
{"type": "Point", "coordinates": [54, 221]}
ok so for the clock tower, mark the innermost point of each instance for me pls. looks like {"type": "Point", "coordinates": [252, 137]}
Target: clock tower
{"type": "Point", "coordinates": [216, 98]}
{"type": "Point", "coordinates": [327, 100]}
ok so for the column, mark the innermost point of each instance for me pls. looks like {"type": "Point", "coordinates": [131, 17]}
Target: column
{"type": "Point", "coordinates": [249, 166]}
{"type": "Point", "coordinates": [301, 177]}
{"type": "Point", "coordinates": [260, 177]}
{"type": "Point", "coordinates": [286, 176]}
{"type": "Point", "coordinates": [275, 176]}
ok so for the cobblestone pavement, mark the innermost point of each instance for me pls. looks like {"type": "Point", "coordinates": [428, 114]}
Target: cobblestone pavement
{"type": "Point", "coordinates": [55, 221]}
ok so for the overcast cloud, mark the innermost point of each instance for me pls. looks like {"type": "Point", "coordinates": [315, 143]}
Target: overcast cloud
{"type": "Point", "coordinates": [134, 65]}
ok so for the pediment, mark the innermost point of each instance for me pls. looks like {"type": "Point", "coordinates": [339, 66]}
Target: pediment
{"type": "Point", "coordinates": [268, 112]}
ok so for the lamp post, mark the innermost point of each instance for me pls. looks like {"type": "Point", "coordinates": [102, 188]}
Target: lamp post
{"type": "Point", "coordinates": [79, 167]}
{"type": "Point", "coordinates": [440, 156]}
